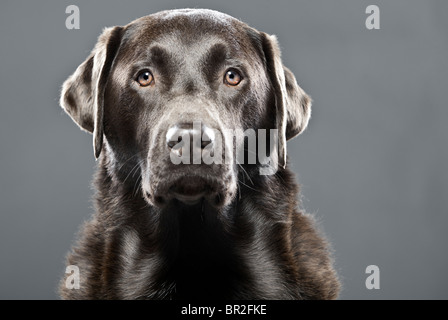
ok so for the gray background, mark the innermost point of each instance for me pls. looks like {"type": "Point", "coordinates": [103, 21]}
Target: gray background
{"type": "Point", "coordinates": [372, 164]}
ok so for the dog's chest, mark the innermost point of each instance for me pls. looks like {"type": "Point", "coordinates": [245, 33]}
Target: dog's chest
{"type": "Point", "coordinates": [193, 261]}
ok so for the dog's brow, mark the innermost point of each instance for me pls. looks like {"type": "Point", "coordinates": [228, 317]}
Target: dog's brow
{"type": "Point", "coordinates": [159, 56]}
{"type": "Point", "coordinates": [215, 57]}
{"type": "Point", "coordinates": [162, 60]}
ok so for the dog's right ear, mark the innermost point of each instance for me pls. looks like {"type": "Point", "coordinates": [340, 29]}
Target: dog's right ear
{"type": "Point", "coordinates": [292, 103]}
{"type": "Point", "coordinates": [82, 95]}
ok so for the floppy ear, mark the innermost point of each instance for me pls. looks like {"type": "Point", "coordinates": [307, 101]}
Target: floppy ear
{"type": "Point", "coordinates": [82, 95]}
{"type": "Point", "coordinates": [293, 105]}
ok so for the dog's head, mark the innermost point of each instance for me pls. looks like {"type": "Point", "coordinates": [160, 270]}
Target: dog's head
{"type": "Point", "coordinates": [165, 95]}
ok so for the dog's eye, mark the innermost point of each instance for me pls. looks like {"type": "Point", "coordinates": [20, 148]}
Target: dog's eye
{"type": "Point", "coordinates": [145, 78]}
{"type": "Point", "coordinates": [232, 77]}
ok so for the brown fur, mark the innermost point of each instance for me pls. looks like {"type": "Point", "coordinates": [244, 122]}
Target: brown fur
{"type": "Point", "coordinates": [246, 238]}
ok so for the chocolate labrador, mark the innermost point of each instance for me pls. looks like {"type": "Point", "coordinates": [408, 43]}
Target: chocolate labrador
{"type": "Point", "coordinates": [176, 216]}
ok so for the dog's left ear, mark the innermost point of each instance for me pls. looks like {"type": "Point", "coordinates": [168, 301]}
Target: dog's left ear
{"type": "Point", "coordinates": [293, 105]}
{"type": "Point", "coordinates": [82, 95]}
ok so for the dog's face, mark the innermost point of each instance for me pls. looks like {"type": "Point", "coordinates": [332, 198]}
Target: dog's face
{"type": "Point", "coordinates": [170, 88]}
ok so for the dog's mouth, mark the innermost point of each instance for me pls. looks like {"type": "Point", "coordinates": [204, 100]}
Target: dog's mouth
{"type": "Point", "coordinates": [189, 190]}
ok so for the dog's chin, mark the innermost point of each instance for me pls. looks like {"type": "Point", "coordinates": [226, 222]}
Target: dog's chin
{"type": "Point", "coordinates": [189, 191]}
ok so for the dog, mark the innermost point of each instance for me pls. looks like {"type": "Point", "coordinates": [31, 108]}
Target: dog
{"type": "Point", "coordinates": [148, 92]}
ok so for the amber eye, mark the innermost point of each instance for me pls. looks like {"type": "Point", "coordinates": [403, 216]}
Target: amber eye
{"type": "Point", "coordinates": [232, 77]}
{"type": "Point", "coordinates": [145, 78]}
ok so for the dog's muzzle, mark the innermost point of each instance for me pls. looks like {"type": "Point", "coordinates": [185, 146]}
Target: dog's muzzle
{"type": "Point", "coordinates": [191, 174]}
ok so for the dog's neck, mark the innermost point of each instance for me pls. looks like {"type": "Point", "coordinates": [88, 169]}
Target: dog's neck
{"type": "Point", "coordinates": [196, 243]}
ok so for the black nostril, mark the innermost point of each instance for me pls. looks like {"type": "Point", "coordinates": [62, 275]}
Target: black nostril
{"type": "Point", "coordinates": [172, 142]}
{"type": "Point", "coordinates": [205, 143]}
{"type": "Point", "coordinates": [200, 135]}
{"type": "Point", "coordinates": [208, 136]}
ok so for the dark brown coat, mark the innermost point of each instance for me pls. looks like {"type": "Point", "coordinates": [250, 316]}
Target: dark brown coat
{"type": "Point", "coordinates": [244, 237]}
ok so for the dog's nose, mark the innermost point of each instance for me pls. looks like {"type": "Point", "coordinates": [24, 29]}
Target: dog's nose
{"type": "Point", "coordinates": [198, 134]}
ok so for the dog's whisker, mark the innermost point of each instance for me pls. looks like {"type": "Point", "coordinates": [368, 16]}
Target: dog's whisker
{"type": "Point", "coordinates": [137, 186]}
{"type": "Point", "coordinates": [128, 159]}
{"type": "Point", "coordinates": [244, 170]}
{"type": "Point", "coordinates": [248, 186]}
{"type": "Point", "coordinates": [135, 171]}
{"type": "Point", "coordinates": [277, 174]}
{"type": "Point", "coordinates": [130, 172]}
